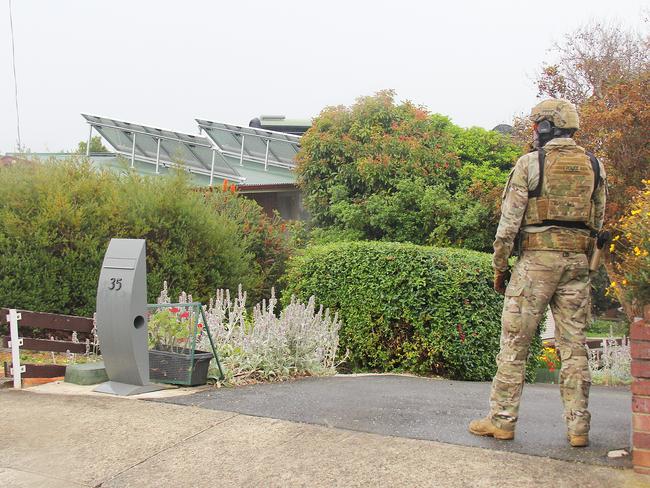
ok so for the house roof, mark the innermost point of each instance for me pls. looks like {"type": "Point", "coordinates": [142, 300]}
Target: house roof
{"type": "Point", "coordinates": [242, 155]}
{"type": "Point", "coordinates": [251, 175]}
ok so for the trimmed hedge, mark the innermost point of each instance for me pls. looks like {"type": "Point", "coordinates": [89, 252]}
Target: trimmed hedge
{"type": "Point", "coordinates": [407, 307]}
{"type": "Point", "coordinates": [56, 219]}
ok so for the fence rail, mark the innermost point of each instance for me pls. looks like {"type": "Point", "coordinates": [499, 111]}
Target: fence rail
{"type": "Point", "coordinates": [51, 321]}
{"type": "Point", "coordinates": [48, 345]}
{"type": "Point", "coordinates": [39, 370]}
{"type": "Point", "coordinates": [45, 321]}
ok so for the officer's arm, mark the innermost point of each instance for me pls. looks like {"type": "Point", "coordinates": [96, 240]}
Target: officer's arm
{"type": "Point", "coordinates": [513, 207]}
{"type": "Point", "coordinates": [600, 197]}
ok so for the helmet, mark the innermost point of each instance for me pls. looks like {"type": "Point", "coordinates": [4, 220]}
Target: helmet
{"type": "Point", "coordinates": [560, 112]}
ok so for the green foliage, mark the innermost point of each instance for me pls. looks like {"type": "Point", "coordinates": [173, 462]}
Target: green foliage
{"type": "Point", "coordinates": [485, 148]}
{"type": "Point", "coordinates": [608, 328]}
{"type": "Point", "coordinates": [268, 238]}
{"type": "Point", "coordinates": [386, 171]}
{"type": "Point", "coordinates": [407, 307]}
{"type": "Point", "coordinates": [601, 301]}
{"type": "Point", "coordinates": [57, 218]}
{"type": "Point", "coordinates": [96, 146]}
{"type": "Point", "coordinates": [170, 328]}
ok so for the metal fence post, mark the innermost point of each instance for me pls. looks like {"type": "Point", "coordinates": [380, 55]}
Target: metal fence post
{"type": "Point", "coordinates": [90, 139]}
{"type": "Point", "coordinates": [133, 151]}
{"type": "Point", "coordinates": [15, 344]}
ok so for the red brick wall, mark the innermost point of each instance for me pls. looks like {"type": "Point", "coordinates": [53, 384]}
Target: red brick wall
{"type": "Point", "coordinates": [640, 345]}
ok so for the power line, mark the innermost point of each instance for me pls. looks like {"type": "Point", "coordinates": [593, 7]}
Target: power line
{"type": "Point", "coordinates": [13, 53]}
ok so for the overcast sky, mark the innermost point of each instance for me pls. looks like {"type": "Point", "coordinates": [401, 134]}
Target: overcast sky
{"type": "Point", "coordinates": [164, 63]}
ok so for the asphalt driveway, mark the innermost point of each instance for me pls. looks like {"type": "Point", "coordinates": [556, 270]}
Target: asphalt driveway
{"type": "Point", "coordinates": [430, 409]}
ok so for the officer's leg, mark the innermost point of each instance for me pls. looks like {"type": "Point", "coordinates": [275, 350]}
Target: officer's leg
{"type": "Point", "coordinates": [532, 285]}
{"type": "Point", "coordinates": [570, 307]}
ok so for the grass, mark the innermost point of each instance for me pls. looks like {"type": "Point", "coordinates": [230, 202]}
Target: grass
{"type": "Point", "coordinates": [605, 327]}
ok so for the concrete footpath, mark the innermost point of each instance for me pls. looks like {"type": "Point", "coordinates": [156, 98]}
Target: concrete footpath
{"type": "Point", "coordinates": [53, 440]}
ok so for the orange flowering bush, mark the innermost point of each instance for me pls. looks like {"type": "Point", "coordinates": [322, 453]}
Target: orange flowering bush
{"type": "Point", "coordinates": [549, 359]}
{"type": "Point", "coordinates": [630, 250]}
{"type": "Point", "coordinates": [392, 171]}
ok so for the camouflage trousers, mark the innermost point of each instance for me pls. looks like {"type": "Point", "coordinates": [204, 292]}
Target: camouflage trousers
{"type": "Point", "coordinates": [539, 279]}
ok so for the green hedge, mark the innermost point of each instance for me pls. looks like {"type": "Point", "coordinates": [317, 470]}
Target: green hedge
{"type": "Point", "coordinates": [407, 307]}
{"type": "Point", "coordinates": [56, 219]}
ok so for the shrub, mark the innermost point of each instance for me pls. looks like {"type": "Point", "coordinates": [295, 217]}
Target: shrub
{"type": "Point", "coordinates": [268, 238]}
{"type": "Point", "coordinates": [407, 307]}
{"type": "Point", "coordinates": [631, 251]}
{"type": "Point", "coordinates": [395, 172]}
{"type": "Point", "coordinates": [56, 219]}
{"type": "Point", "coordinates": [265, 345]}
{"type": "Point", "coordinates": [611, 365]}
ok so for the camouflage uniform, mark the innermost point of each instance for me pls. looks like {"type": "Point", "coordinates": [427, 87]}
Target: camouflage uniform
{"type": "Point", "coordinates": [552, 270]}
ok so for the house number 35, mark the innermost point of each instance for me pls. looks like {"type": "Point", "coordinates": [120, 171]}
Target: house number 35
{"type": "Point", "coordinates": [116, 284]}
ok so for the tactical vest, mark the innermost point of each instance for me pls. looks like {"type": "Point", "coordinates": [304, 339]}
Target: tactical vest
{"type": "Point", "coordinates": [564, 196]}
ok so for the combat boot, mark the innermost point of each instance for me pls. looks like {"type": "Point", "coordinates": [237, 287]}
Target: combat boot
{"type": "Point", "coordinates": [578, 440]}
{"type": "Point", "coordinates": [487, 428]}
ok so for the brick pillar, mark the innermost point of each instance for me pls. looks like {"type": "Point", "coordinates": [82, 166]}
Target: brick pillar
{"type": "Point", "coordinates": [640, 348]}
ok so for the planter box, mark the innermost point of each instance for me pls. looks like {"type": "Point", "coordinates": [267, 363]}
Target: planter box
{"type": "Point", "coordinates": [86, 373]}
{"type": "Point", "coordinates": [179, 366]}
{"type": "Point", "coordinates": [543, 375]}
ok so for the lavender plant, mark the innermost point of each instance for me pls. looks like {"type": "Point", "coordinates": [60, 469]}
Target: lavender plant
{"type": "Point", "coordinates": [264, 344]}
{"type": "Point", "coordinates": [612, 365]}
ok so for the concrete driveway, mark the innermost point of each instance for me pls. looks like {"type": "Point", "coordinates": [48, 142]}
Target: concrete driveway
{"type": "Point", "coordinates": [54, 440]}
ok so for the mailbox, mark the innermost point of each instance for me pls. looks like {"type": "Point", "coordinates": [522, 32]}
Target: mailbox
{"type": "Point", "coordinates": [122, 318]}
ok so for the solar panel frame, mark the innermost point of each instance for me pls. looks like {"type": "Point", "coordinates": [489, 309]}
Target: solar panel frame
{"type": "Point", "coordinates": [252, 144]}
{"type": "Point", "coordinates": [161, 146]}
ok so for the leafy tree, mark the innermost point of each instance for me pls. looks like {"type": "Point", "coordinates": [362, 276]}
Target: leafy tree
{"type": "Point", "coordinates": [385, 171]}
{"type": "Point", "coordinates": [485, 148]}
{"type": "Point", "coordinates": [616, 125]}
{"type": "Point", "coordinates": [591, 58]}
{"type": "Point", "coordinates": [96, 146]}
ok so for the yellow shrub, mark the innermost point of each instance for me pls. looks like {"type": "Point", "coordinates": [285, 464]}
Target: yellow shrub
{"type": "Point", "coordinates": [631, 249]}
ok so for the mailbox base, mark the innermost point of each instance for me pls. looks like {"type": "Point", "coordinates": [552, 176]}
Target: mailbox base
{"type": "Point", "coordinates": [125, 389]}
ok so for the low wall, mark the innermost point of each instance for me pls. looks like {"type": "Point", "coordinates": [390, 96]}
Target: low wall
{"type": "Point", "coordinates": [640, 348]}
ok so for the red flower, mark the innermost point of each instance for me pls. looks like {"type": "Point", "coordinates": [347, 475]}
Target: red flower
{"type": "Point", "coordinates": [184, 315]}
{"type": "Point", "coordinates": [200, 326]}
{"type": "Point", "coordinates": [174, 310]}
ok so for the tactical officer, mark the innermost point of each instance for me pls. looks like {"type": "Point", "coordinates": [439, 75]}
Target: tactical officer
{"type": "Point", "coordinates": [554, 202]}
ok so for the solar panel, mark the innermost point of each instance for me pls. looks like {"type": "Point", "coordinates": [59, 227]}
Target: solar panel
{"type": "Point", "coordinates": [260, 146]}
{"type": "Point", "coordinates": [164, 147]}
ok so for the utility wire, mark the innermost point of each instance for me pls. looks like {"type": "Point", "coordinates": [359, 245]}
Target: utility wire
{"type": "Point", "coordinates": [13, 53]}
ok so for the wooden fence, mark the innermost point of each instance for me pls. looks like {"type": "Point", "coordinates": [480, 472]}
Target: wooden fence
{"type": "Point", "coordinates": [49, 322]}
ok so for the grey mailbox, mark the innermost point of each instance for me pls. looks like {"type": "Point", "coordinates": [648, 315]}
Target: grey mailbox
{"type": "Point", "coordinates": [122, 318]}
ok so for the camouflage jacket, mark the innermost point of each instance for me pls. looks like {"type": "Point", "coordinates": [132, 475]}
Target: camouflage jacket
{"type": "Point", "coordinates": [524, 177]}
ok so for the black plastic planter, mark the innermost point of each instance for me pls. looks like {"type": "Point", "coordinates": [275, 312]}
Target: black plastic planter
{"type": "Point", "coordinates": [179, 366]}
